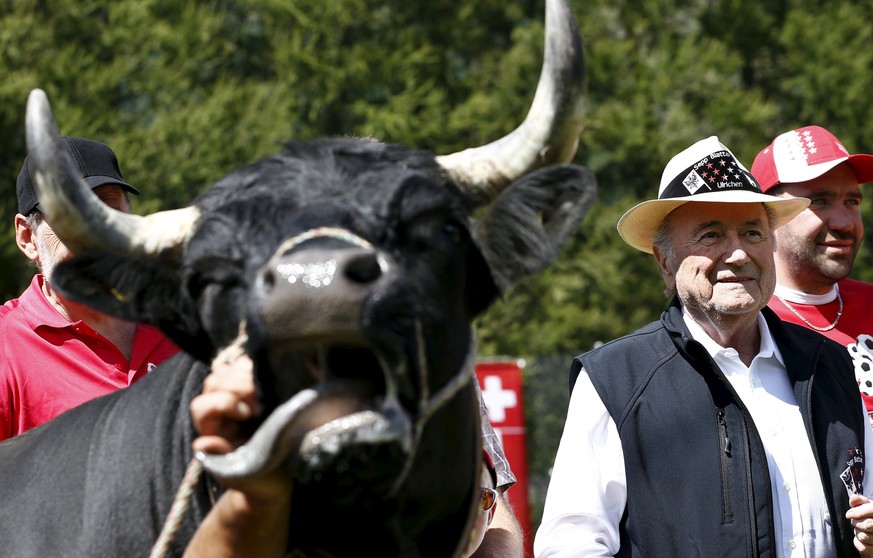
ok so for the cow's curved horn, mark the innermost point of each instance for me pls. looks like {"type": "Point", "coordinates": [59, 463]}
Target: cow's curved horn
{"type": "Point", "coordinates": [78, 217]}
{"type": "Point", "coordinates": [549, 133]}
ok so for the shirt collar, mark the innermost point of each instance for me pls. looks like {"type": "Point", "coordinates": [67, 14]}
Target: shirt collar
{"type": "Point", "coordinates": [39, 311]}
{"type": "Point", "coordinates": [800, 297]}
{"type": "Point", "coordinates": [767, 349]}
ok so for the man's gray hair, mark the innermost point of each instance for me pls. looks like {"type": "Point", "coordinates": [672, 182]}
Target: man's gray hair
{"type": "Point", "coordinates": [34, 222]}
{"type": "Point", "coordinates": [663, 241]}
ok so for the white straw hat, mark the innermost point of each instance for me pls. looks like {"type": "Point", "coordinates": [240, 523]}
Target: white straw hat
{"type": "Point", "coordinates": [705, 172]}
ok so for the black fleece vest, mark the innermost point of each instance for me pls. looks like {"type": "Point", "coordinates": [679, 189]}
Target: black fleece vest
{"type": "Point", "coordinates": [697, 475]}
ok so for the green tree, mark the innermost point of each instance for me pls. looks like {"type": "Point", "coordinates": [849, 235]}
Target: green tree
{"type": "Point", "coordinates": [186, 91]}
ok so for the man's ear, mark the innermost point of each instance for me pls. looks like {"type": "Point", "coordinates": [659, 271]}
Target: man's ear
{"type": "Point", "coordinates": [25, 238]}
{"type": "Point", "coordinates": [664, 266]}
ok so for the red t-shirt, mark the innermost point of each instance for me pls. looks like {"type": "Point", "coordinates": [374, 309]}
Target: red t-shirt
{"type": "Point", "coordinates": [49, 365]}
{"type": "Point", "coordinates": [854, 329]}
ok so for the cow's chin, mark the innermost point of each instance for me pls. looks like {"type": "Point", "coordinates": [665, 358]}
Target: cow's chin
{"type": "Point", "coordinates": [337, 435]}
{"type": "Point", "coordinates": [353, 448]}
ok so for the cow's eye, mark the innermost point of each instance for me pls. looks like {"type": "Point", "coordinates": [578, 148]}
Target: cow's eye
{"type": "Point", "coordinates": [454, 231]}
{"type": "Point", "coordinates": [196, 285]}
{"type": "Point", "coordinates": [213, 273]}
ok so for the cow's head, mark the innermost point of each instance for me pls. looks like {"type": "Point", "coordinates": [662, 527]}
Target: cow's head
{"type": "Point", "coordinates": [349, 271]}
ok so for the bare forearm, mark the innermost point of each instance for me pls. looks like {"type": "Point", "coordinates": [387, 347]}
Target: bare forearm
{"type": "Point", "coordinates": [238, 527]}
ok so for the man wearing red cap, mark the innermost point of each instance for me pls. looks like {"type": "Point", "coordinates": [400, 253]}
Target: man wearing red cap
{"type": "Point", "coordinates": [56, 353]}
{"type": "Point", "coordinates": [815, 251]}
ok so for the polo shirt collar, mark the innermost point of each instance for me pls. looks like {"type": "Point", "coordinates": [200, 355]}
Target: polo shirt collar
{"type": "Point", "coordinates": [39, 312]}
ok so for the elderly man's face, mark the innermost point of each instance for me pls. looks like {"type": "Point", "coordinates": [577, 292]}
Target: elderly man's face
{"type": "Point", "coordinates": [722, 261]}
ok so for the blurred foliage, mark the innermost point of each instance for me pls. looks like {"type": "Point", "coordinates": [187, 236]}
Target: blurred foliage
{"type": "Point", "coordinates": [185, 91]}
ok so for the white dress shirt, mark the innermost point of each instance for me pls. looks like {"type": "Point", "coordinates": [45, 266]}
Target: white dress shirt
{"type": "Point", "coordinates": [588, 489]}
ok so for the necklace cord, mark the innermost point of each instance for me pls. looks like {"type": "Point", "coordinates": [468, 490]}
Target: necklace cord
{"type": "Point", "coordinates": [799, 315]}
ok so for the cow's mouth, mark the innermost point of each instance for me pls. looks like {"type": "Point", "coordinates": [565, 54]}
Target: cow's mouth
{"type": "Point", "coordinates": [346, 422]}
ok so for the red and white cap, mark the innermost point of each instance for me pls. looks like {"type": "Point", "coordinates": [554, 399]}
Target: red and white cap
{"type": "Point", "coordinates": [804, 154]}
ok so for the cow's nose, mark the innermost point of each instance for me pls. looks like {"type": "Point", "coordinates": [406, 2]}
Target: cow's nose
{"type": "Point", "coordinates": [319, 292]}
{"type": "Point", "coordinates": [320, 268]}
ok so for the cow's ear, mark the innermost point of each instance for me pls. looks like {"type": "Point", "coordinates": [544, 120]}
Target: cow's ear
{"type": "Point", "coordinates": [523, 230]}
{"type": "Point", "coordinates": [136, 289]}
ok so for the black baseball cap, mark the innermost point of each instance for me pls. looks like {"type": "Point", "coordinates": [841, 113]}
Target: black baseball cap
{"type": "Point", "coordinates": [95, 161]}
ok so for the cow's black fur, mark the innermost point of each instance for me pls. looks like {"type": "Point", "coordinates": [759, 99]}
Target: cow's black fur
{"type": "Point", "coordinates": [416, 246]}
{"type": "Point", "coordinates": [98, 481]}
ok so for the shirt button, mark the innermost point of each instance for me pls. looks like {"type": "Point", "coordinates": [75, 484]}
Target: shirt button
{"type": "Point", "coordinates": [787, 487]}
{"type": "Point", "coordinates": [119, 366]}
{"type": "Point", "coordinates": [792, 545]}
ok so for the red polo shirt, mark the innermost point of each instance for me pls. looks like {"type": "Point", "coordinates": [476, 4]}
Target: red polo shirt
{"type": "Point", "coordinates": [49, 365]}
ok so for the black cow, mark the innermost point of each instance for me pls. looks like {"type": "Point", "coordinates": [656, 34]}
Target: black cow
{"type": "Point", "coordinates": [350, 271]}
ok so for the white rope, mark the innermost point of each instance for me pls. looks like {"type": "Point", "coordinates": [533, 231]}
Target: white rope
{"type": "Point", "coordinates": [180, 506]}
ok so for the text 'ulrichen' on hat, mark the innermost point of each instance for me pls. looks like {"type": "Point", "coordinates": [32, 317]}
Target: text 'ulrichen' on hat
{"type": "Point", "coordinates": [705, 172]}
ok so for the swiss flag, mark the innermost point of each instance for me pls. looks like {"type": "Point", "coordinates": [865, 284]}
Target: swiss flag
{"type": "Point", "coordinates": [502, 390]}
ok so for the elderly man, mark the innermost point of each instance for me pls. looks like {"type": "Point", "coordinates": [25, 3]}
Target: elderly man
{"type": "Point", "coordinates": [717, 430]}
{"type": "Point", "coordinates": [816, 250]}
{"type": "Point", "coordinates": [58, 354]}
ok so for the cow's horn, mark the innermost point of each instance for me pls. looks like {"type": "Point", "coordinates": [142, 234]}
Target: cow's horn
{"type": "Point", "coordinates": [78, 217]}
{"type": "Point", "coordinates": [549, 133]}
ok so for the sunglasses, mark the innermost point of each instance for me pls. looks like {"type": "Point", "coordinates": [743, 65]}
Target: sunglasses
{"type": "Point", "coordinates": [487, 498]}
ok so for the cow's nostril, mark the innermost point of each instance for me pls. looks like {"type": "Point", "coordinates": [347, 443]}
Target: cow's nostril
{"type": "Point", "coordinates": [363, 268]}
{"type": "Point", "coordinates": [268, 279]}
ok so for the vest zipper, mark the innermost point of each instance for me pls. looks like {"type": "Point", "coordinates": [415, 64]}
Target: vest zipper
{"type": "Point", "coordinates": [726, 476]}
